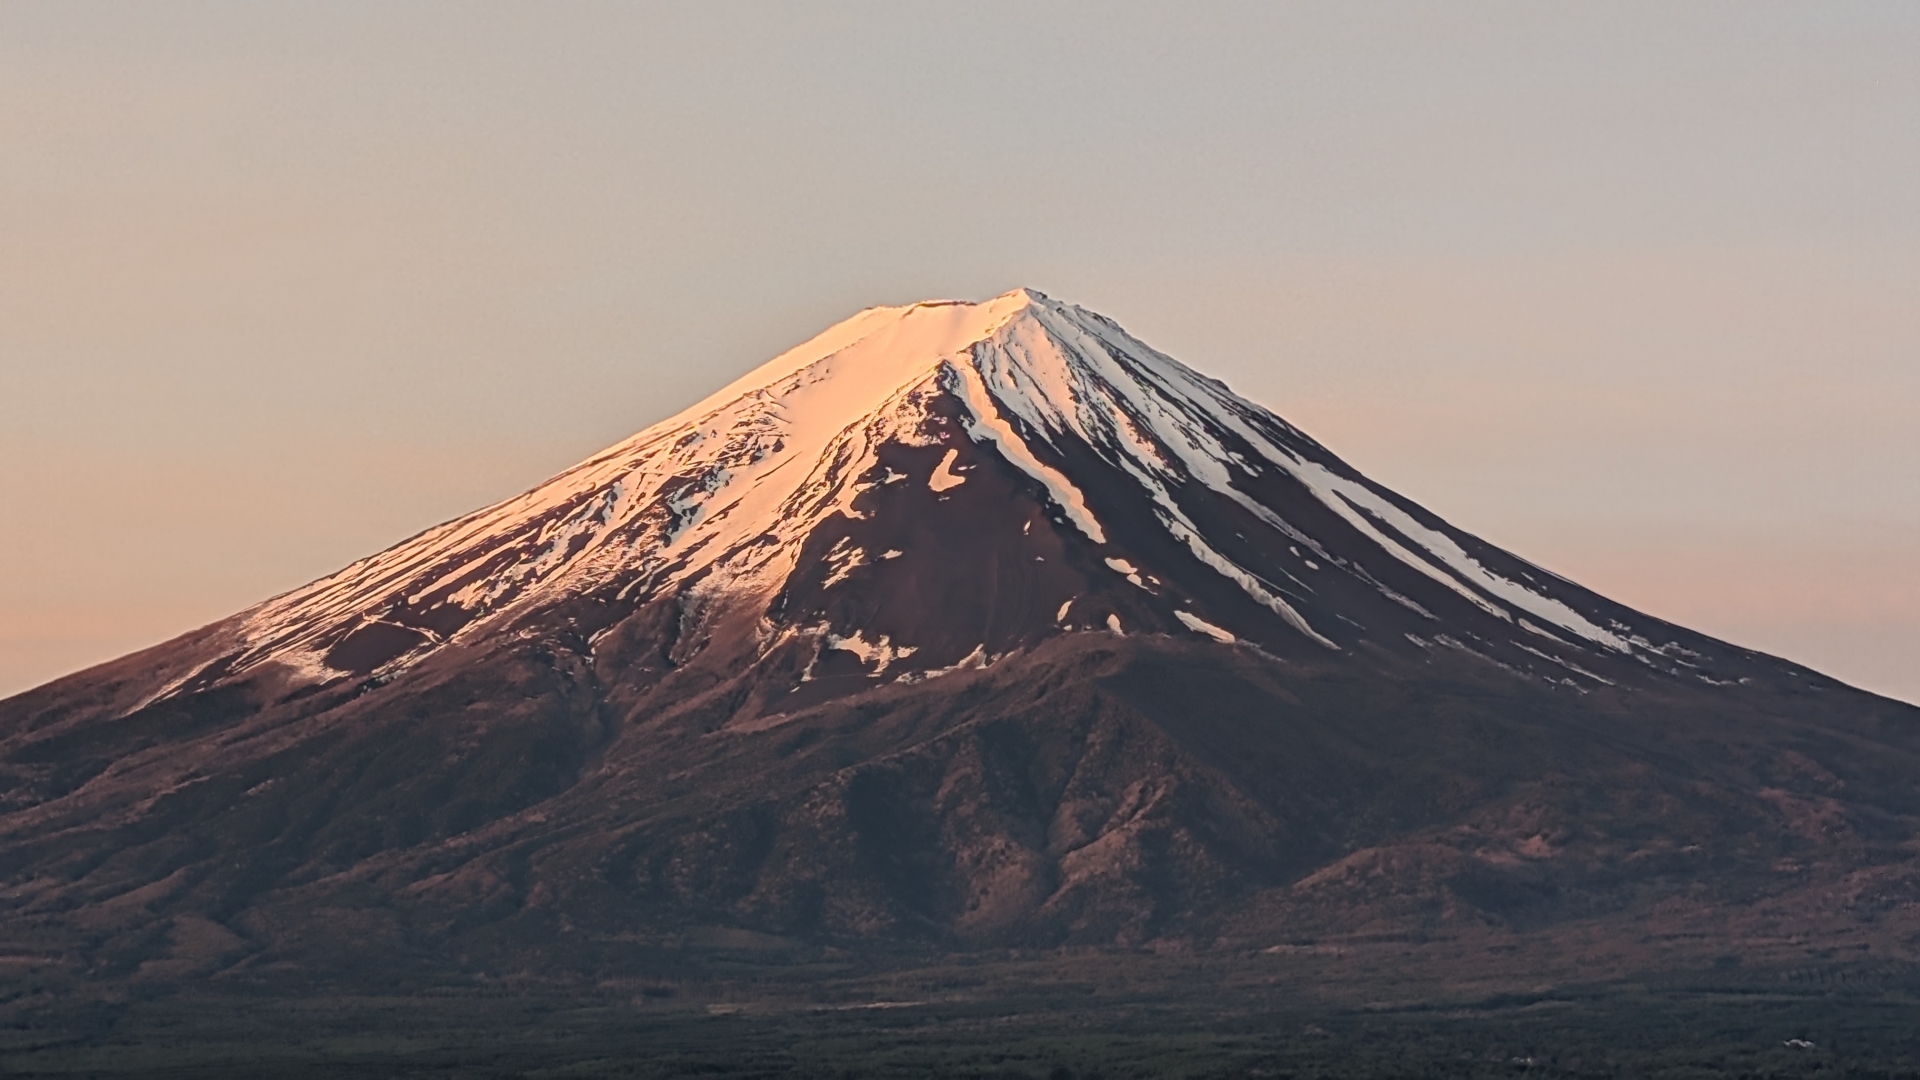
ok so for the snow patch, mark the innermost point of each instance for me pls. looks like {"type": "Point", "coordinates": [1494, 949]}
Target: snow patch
{"type": "Point", "coordinates": [1125, 568]}
{"type": "Point", "coordinates": [843, 559]}
{"type": "Point", "coordinates": [1569, 665]}
{"type": "Point", "coordinates": [878, 653]}
{"type": "Point", "coordinates": [973, 661]}
{"type": "Point", "coordinates": [1199, 625]}
{"type": "Point", "coordinates": [943, 476]}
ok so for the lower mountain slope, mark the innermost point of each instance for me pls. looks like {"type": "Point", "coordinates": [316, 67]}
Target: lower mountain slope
{"type": "Point", "coordinates": [515, 807]}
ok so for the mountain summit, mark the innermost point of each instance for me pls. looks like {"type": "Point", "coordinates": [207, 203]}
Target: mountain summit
{"type": "Point", "coordinates": [960, 622]}
{"type": "Point", "coordinates": [824, 492]}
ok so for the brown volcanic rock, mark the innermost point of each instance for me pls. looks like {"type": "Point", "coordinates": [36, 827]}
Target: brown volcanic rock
{"type": "Point", "coordinates": [969, 625]}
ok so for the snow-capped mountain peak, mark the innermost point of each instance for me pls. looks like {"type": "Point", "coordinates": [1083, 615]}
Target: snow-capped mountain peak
{"type": "Point", "coordinates": [798, 485]}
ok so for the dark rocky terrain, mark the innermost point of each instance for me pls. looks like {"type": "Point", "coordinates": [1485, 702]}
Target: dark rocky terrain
{"type": "Point", "coordinates": [963, 628]}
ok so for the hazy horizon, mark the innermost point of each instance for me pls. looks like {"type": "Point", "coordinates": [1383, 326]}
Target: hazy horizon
{"type": "Point", "coordinates": [1628, 290]}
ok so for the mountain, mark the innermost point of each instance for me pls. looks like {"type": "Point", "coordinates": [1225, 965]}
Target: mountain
{"type": "Point", "coordinates": [959, 626]}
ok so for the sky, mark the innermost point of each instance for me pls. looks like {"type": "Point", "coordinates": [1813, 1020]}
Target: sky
{"type": "Point", "coordinates": [1632, 289]}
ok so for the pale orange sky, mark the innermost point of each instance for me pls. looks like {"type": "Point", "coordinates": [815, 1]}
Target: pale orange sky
{"type": "Point", "coordinates": [1631, 289]}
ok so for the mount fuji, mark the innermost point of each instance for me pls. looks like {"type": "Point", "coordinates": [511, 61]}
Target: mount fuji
{"type": "Point", "coordinates": [972, 624]}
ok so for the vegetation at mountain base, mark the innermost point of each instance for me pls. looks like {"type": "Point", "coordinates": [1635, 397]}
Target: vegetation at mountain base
{"type": "Point", "coordinates": [1086, 1014]}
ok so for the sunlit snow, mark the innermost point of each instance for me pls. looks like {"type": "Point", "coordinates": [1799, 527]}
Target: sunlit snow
{"type": "Point", "coordinates": [1196, 623]}
{"type": "Point", "coordinates": [722, 497]}
{"type": "Point", "coordinates": [943, 476]}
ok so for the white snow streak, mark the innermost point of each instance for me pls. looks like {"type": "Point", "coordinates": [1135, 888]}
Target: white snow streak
{"type": "Point", "coordinates": [1199, 625]}
{"type": "Point", "coordinates": [1066, 369]}
{"type": "Point", "coordinates": [986, 425]}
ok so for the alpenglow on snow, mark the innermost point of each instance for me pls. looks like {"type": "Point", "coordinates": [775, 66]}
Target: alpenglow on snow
{"type": "Point", "coordinates": [926, 488]}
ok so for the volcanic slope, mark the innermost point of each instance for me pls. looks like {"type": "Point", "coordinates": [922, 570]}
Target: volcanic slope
{"type": "Point", "coordinates": [974, 624]}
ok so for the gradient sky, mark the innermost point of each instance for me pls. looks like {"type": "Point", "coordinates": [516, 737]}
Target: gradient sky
{"type": "Point", "coordinates": [1631, 289]}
